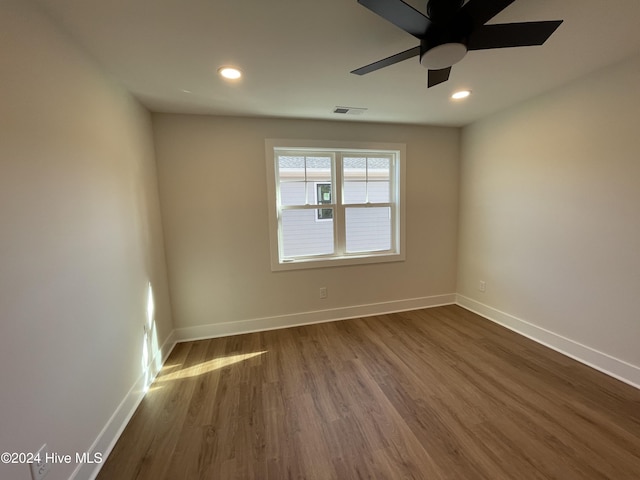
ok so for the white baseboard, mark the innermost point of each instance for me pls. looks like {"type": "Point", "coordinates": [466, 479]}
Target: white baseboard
{"type": "Point", "coordinates": [600, 361]}
{"type": "Point", "coordinates": [306, 318]}
{"type": "Point", "coordinates": [111, 432]}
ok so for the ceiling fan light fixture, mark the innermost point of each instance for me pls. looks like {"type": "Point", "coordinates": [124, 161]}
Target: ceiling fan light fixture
{"type": "Point", "coordinates": [443, 56]}
{"type": "Point", "coordinates": [460, 94]}
{"type": "Point", "coordinates": [230, 73]}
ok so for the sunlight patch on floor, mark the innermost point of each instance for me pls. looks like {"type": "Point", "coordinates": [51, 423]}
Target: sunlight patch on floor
{"type": "Point", "coordinates": [208, 366]}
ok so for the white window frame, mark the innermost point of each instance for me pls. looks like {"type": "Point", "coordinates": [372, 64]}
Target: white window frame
{"type": "Point", "coordinates": [398, 247]}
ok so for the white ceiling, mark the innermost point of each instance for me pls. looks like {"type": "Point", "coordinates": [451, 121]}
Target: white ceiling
{"type": "Point", "coordinates": [296, 56]}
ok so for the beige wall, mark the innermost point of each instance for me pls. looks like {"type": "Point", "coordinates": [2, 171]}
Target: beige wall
{"type": "Point", "coordinates": [213, 191]}
{"type": "Point", "coordinates": [550, 216]}
{"type": "Point", "coordinates": [80, 239]}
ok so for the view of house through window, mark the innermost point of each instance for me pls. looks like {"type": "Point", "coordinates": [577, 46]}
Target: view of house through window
{"type": "Point", "coordinates": [333, 204]}
{"type": "Point", "coordinates": [323, 195]}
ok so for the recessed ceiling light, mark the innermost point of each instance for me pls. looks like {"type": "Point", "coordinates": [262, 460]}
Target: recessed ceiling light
{"type": "Point", "coordinates": [460, 94]}
{"type": "Point", "coordinates": [230, 73]}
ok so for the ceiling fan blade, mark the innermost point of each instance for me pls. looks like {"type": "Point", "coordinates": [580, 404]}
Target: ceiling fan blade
{"type": "Point", "coordinates": [481, 11]}
{"type": "Point", "coordinates": [436, 77]}
{"type": "Point", "coordinates": [398, 57]}
{"type": "Point", "coordinates": [400, 14]}
{"type": "Point", "coordinates": [512, 35]}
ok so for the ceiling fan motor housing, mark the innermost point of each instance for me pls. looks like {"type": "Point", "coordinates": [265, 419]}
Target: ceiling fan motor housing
{"type": "Point", "coordinates": [445, 42]}
{"type": "Point", "coordinates": [443, 55]}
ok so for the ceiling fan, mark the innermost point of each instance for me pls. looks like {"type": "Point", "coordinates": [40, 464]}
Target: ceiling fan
{"type": "Point", "coordinates": [450, 29]}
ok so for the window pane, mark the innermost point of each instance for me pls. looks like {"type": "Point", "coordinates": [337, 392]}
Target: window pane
{"type": "Point", "coordinates": [291, 169]}
{"type": "Point", "coordinates": [297, 176]}
{"type": "Point", "coordinates": [354, 172]}
{"type": "Point", "coordinates": [379, 169]}
{"type": "Point", "coordinates": [379, 176]}
{"type": "Point", "coordinates": [366, 179]}
{"type": "Point", "coordinates": [292, 193]}
{"type": "Point", "coordinates": [354, 169]}
{"type": "Point", "coordinates": [354, 192]}
{"type": "Point", "coordinates": [319, 169]}
{"type": "Point", "coordinates": [368, 229]}
{"type": "Point", "coordinates": [303, 234]}
{"type": "Point", "coordinates": [378, 192]}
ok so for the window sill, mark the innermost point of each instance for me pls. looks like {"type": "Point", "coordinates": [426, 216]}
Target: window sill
{"type": "Point", "coordinates": [336, 261]}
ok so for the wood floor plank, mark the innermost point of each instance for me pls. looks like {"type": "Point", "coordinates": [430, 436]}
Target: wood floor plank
{"type": "Point", "coordinates": [436, 394]}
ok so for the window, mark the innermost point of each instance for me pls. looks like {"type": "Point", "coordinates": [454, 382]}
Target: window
{"type": "Point", "coordinates": [323, 195]}
{"type": "Point", "coordinates": [333, 204]}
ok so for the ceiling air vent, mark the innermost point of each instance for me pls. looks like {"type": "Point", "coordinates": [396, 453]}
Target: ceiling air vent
{"type": "Point", "coordinates": [349, 110]}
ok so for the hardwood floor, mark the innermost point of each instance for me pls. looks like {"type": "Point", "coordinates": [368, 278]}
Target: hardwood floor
{"type": "Point", "coordinates": [430, 394]}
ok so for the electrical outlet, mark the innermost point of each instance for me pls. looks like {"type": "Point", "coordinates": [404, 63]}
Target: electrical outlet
{"type": "Point", "coordinates": [40, 466]}
{"type": "Point", "coordinates": [482, 286]}
{"type": "Point", "coordinates": [323, 292]}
